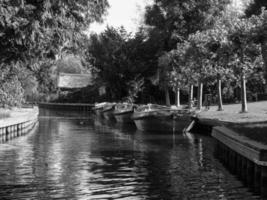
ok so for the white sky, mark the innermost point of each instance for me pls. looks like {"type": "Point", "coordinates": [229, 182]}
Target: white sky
{"type": "Point", "coordinates": [127, 13]}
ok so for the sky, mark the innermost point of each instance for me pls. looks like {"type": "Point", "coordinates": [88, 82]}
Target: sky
{"type": "Point", "coordinates": [127, 13]}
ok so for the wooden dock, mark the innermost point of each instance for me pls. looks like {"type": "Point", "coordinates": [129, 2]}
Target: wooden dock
{"type": "Point", "coordinates": [18, 125]}
{"type": "Point", "coordinates": [244, 157]}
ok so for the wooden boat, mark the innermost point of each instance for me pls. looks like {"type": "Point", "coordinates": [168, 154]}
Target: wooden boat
{"type": "Point", "coordinates": [161, 118]}
{"type": "Point", "coordinates": [108, 110]}
{"type": "Point", "coordinates": [123, 113]}
{"type": "Point", "coordinates": [99, 107]}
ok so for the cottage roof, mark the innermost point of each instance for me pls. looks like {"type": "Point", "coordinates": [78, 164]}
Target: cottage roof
{"type": "Point", "coordinates": [74, 81]}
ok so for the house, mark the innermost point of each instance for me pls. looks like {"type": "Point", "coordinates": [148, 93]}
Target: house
{"type": "Point", "coordinates": [66, 81]}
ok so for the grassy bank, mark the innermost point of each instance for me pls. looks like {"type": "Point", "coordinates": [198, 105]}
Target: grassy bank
{"type": "Point", "coordinates": [257, 113]}
{"type": "Point", "coordinates": [252, 124]}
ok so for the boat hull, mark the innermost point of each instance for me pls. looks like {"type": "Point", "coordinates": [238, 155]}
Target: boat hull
{"type": "Point", "coordinates": [159, 122]}
{"type": "Point", "coordinates": [98, 112]}
{"type": "Point", "coordinates": [124, 117]}
{"type": "Point", "coordinates": [108, 114]}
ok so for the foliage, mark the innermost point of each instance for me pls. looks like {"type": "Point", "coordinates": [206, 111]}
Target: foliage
{"type": "Point", "coordinates": [36, 32]}
{"type": "Point", "coordinates": [119, 59]}
{"type": "Point", "coordinates": [172, 22]}
{"type": "Point", "coordinates": [135, 86]}
{"type": "Point", "coordinates": [11, 93]}
{"type": "Point", "coordinates": [255, 7]}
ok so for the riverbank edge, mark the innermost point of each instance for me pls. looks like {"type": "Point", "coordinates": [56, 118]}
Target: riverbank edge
{"type": "Point", "coordinates": [20, 122]}
{"type": "Point", "coordinates": [70, 106]}
{"type": "Point", "coordinates": [242, 155]}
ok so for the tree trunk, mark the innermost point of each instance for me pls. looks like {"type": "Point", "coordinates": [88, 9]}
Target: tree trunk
{"type": "Point", "coordinates": [177, 97]}
{"type": "Point", "coordinates": [264, 56]}
{"type": "Point", "coordinates": [200, 95]}
{"type": "Point", "coordinates": [219, 88]}
{"type": "Point", "coordinates": [244, 94]}
{"type": "Point", "coordinates": [167, 96]}
{"type": "Point", "coordinates": [190, 96]}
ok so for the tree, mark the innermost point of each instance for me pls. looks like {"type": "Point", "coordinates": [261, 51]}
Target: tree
{"type": "Point", "coordinates": [180, 75]}
{"type": "Point", "coordinates": [119, 59]}
{"type": "Point", "coordinates": [164, 75]}
{"type": "Point", "coordinates": [258, 7]}
{"type": "Point", "coordinates": [255, 7]}
{"type": "Point", "coordinates": [173, 21]}
{"type": "Point", "coordinates": [35, 32]}
{"type": "Point", "coordinates": [199, 59]}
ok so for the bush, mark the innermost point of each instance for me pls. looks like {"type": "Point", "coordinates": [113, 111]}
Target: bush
{"type": "Point", "coordinates": [11, 93]}
{"type": "Point", "coordinates": [4, 114]}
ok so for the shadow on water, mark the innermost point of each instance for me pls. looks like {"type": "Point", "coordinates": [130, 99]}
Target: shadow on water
{"type": "Point", "coordinates": [82, 157]}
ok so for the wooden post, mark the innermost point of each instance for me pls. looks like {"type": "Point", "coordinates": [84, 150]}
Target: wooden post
{"type": "Point", "coordinates": [263, 181]}
{"type": "Point", "coordinates": [200, 94]}
{"type": "Point", "coordinates": [250, 174]}
{"type": "Point", "coordinates": [257, 179]}
{"type": "Point", "coordinates": [244, 170]}
{"type": "Point", "coordinates": [238, 166]}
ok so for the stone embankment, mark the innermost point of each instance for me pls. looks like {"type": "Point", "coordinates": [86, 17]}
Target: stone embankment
{"type": "Point", "coordinates": [19, 122]}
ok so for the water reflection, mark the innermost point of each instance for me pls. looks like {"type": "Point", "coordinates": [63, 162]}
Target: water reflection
{"type": "Point", "coordinates": [75, 156]}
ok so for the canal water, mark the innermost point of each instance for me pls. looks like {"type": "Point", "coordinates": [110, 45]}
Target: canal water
{"type": "Point", "coordinates": [75, 156]}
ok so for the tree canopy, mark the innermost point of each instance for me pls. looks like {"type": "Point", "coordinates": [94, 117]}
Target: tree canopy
{"type": "Point", "coordinates": [33, 33]}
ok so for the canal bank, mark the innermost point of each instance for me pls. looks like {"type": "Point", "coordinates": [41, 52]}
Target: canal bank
{"type": "Point", "coordinates": [19, 122]}
{"type": "Point", "coordinates": [67, 106]}
{"type": "Point", "coordinates": [257, 113]}
{"type": "Point", "coordinates": [206, 119]}
{"type": "Point", "coordinates": [240, 142]}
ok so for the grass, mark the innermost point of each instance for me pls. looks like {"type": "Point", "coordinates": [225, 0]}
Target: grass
{"type": "Point", "coordinates": [252, 124]}
{"type": "Point", "coordinates": [257, 112]}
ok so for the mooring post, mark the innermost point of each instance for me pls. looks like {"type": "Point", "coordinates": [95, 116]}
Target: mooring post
{"type": "Point", "coordinates": [227, 156]}
{"type": "Point", "coordinates": [231, 160]}
{"type": "Point", "coordinates": [263, 181]}
{"type": "Point", "coordinates": [257, 178]}
{"type": "Point", "coordinates": [234, 162]}
{"type": "Point", "coordinates": [244, 169]}
{"type": "Point", "coordinates": [250, 173]}
{"type": "Point", "coordinates": [238, 165]}
{"type": "Point", "coordinates": [7, 133]}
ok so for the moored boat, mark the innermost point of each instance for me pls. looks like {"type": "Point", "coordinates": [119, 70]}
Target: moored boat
{"type": "Point", "coordinates": [108, 110]}
{"type": "Point", "coordinates": [99, 107]}
{"type": "Point", "coordinates": [161, 118]}
{"type": "Point", "coordinates": [123, 113]}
